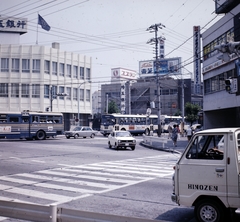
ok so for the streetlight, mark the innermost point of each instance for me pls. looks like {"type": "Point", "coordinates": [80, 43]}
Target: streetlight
{"type": "Point", "coordinates": [78, 95]}
{"type": "Point", "coordinates": [154, 28]}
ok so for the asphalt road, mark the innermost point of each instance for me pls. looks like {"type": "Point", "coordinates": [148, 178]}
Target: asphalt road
{"type": "Point", "coordinates": [85, 174]}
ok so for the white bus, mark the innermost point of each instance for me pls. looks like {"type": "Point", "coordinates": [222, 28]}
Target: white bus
{"type": "Point", "coordinates": [135, 124]}
{"type": "Point", "coordinates": [30, 125]}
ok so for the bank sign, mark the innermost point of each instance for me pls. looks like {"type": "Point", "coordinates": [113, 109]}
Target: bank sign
{"type": "Point", "coordinates": [161, 67]}
{"type": "Point", "coordinates": [9, 24]}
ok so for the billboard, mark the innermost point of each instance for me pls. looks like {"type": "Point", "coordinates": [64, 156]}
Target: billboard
{"type": "Point", "coordinates": [123, 74]}
{"type": "Point", "coordinates": [161, 67]}
{"type": "Point", "coordinates": [8, 24]}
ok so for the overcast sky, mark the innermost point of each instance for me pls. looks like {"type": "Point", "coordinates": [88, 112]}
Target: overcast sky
{"type": "Point", "coordinates": [113, 32]}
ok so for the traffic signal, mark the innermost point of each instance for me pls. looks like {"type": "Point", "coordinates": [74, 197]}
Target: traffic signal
{"type": "Point", "coordinates": [228, 85]}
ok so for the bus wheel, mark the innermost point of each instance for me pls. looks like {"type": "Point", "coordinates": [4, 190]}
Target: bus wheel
{"type": "Point", "coordinates": [40, 135]}
{"type": "Point", "coordinates": [147, 132]}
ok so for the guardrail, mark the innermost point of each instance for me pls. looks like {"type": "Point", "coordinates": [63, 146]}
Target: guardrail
{"type": "Point", "coordinates": [150, 139]}
{"type": "Point", "coordinates": [53, 213]}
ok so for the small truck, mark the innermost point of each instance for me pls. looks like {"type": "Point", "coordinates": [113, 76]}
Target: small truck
{"type": "Point", "coordinates": [207, 175]}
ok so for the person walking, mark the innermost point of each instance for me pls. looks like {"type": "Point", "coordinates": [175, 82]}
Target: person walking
{"type": "Point", "coordinates": [174, 135]}
{"type": "Point", "coordinates": [169, 131]}
{"type": "Point", "coordinates": [189, 133]}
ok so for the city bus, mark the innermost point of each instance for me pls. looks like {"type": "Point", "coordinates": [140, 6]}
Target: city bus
{"type": "Point", "coordinates": [30, 125]}
{"type": "Point", "coordinates": [135, 124]}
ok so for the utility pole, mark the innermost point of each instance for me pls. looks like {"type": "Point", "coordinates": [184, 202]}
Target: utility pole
{"type": "Point", "coordinates": [154, 28]}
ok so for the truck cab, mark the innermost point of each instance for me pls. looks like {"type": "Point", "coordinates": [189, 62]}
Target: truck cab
{"type": "Point", "coordinates": [207, 175]}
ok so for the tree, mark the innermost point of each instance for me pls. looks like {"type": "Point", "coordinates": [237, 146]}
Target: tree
{"type": "Point", "coordinates": [112, 107]}
{"type": "Point", "coordinates": [191, 112]}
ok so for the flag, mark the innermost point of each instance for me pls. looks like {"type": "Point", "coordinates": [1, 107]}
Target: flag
{"type": "Point", "coordinates": [43, 23]}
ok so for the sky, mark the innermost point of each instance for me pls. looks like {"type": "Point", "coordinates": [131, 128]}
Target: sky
{"type": "Point", "coordinates": [113, 32]}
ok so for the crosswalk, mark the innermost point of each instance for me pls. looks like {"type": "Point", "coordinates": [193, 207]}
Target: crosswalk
{"type": "Point", "coordinates": [67, 183]}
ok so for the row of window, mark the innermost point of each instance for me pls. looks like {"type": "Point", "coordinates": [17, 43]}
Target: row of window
{"type": "Point", "coordinates": [209, 50]}
{"type": "Point", "coordinates": [33, 90]}
{"type": "Point", "coordinates": [55, 68]}
{"type": "Point", "coordinates": [217, 83]}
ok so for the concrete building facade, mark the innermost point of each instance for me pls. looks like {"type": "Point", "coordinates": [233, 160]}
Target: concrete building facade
{"type": "Point", "coordinates": [221, 109]}
{"type": "Point", "coordinates": [143, 91]}
{"type": "Point", "coordinates": [40, 78]}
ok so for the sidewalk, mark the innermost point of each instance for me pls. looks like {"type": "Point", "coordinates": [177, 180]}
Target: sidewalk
{"type": "Point", "coordinates": [168, 147]}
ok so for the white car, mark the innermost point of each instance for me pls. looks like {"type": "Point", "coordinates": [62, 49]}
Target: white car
{"type": "Point", "coordinates": [121, 139]}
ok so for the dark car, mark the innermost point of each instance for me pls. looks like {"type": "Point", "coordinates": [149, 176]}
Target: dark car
{"type": "Point", "coordinates": [81, 131]}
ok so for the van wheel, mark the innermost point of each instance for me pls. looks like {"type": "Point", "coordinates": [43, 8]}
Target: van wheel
{"type": "Point", "coordinates": [40, 135]}
{"type": "Point", "coordinates": [209, 210]}
{"type": "Point", "coordinates": [109, 145]}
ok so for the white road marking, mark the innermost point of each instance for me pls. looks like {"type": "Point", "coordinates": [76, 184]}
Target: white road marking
{"type": "Point", "coordinates": [86, 180]}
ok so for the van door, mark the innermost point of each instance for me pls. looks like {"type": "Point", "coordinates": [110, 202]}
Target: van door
{"type": "Point", "coordinates": [233, 172]}
{"type": "Point", "coordinates": [202, 169]}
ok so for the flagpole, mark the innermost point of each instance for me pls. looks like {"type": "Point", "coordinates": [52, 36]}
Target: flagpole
{"type": "Point", "coordinates": [37, 33]}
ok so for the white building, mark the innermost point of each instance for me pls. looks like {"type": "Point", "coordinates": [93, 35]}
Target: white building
{"type": "Point", "coordinates": [32, 76]}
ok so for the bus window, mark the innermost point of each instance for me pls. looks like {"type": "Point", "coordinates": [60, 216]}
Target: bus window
{"type": "Point", "coordinates": [3, 118]}
{"type": "Point", "coordinates": [24, 119]}
{"type": "Point", "coordinates": [13, 119]}
{"type": "Point", "coordinates": [35, 119]}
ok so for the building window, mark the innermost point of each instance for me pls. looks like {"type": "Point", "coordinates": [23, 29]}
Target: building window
{"type": "Point", "coordinates": [54, 92]}
{"type": "Point", "coordinates": [207, 86]}
{"type": "Point", "coordinates": [81, 94]}
{"type": "Point", "coordinates": [36, 66]}
{"type": "Point", "coordinates": [46, 91]}
{"type": "Point", "coordinates": [47, 66]}
{"type": "Point", "coordinates": [88, 95]}
{"type": "Point", "coordinates": [81, 72]}
{"type": "Point", "coordinates": [75, 96]}
{"type": "Point", "coordinates": [69, 70]}
{"type": "Point", "coordinates": [61, 90]}
{"type": "Point", "coordinates": [4, 65]}
{"type": "Point", "coordinates": [25, 90]}
{"type": "Point", "coordinates": [25, 65]}
{"type": "Point", "coordinates": [165, 92]}
{"type": "Point", "coordinates": [61, 69]}
{"type": "Point", "coordinates": [173, 91]}
{"type": "Point", "coordinates": [14, 90]}
{"type": "Point", "coordinates": [54, 68]}
{"type": "Point", "coordinates": [88, 74]}
{"type": "Point", "coordinates": [3, 89]}
{"type": "Point", "coordinates": [75, 72]}
{"type": "Point", "coordinates": [69, 93]}
{"type": "Point", "coordinates": [15, 65]}
{"type": "Point", "coordinates": [35, 90]}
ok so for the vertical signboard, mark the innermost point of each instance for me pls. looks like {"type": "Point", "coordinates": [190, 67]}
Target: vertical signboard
{"type": "Point", "coordinates": [123, 99]}
{"type": "Point", "coordinates": [197, 59]}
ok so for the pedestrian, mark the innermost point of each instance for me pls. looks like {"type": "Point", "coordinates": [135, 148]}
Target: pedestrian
{"type": "Point", "coordinates": [174, 135]}
{"type": "Point", "coordinates": [169, 131]}
{"type": "Point", "coordinates": [189, 133]}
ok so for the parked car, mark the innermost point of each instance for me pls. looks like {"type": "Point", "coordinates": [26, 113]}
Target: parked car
{"type": "Point", "coordinates": [197, 127]}
{"type": "Point", "coordinates": [121, 139]}
{"type": "Point", "coordinates": [81, 131]}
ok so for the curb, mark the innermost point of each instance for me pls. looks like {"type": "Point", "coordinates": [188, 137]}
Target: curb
{"type": "Point", "coordinates": [159, 148]}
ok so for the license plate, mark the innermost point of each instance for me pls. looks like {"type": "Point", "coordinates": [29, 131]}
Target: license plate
{"type": "Point", "coordinates": [126, 144]}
